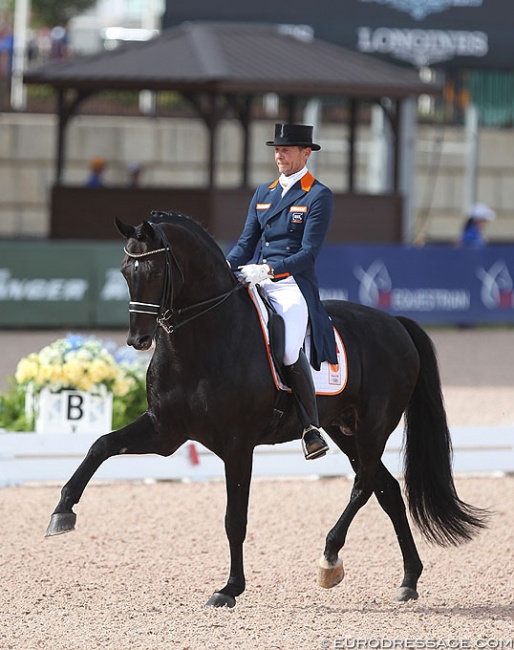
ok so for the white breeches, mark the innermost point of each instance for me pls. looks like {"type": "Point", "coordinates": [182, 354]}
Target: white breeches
{"type": "Point", "coordinates": [288, 301]}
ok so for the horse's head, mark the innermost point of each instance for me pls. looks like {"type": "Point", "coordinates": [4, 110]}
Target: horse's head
{"type": "Point", "coordinates": [159, 255]}
{"type": "Point", "coordinates": [149, 273]}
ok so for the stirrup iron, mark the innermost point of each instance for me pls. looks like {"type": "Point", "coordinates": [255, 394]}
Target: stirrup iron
{"type": "Point", "coordinates": [313, 444]}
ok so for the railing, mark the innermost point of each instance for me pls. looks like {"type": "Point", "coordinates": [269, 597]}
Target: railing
{"type": "Point", "coordinates": [29, 457]}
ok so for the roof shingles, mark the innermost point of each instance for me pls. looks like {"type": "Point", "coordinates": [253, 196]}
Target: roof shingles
{"type": "Point", "coordinates": [233, 57]}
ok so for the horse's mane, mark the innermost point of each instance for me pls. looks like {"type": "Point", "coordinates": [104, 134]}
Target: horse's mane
{"type": "Point", "coordinates": [192, 226]}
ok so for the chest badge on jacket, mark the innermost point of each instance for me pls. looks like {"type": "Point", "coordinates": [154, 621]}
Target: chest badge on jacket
{"type": "Point", "coordinates": [297, 213]}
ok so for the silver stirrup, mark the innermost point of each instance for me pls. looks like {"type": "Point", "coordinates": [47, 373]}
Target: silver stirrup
{"type": "Point", "coordinates": [319, 452]}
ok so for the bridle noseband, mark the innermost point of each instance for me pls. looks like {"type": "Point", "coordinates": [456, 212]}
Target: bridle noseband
{"type": "Point", "coordinates": [165, 311]}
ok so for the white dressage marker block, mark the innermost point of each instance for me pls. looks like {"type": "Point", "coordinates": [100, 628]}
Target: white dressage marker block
{"type": "Point", "coordinates": [72, 411]}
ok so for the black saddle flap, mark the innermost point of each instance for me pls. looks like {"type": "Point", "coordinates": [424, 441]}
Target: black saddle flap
{"type": "Point", "coordinates": [277, 335]}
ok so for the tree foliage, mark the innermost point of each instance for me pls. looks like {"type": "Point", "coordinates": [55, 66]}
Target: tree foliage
{"type": "Point", "coordinates": [49, 13]}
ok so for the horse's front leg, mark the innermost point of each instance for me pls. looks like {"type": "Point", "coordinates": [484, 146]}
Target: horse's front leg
{"type": "Point", "coordinates": [139, 437]}
{"type": "Point", "coordinates": [238, 473]}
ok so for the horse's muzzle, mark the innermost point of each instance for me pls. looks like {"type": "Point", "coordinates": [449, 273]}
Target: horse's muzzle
{"type": "Point", "coordinates": [139, 342]}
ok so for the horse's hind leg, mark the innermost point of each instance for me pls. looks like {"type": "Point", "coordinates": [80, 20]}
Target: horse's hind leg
{"type": "Point", "coordinates": [139, 437]}
{"type": "Point", "coordinates": [389, 496]}
{"type": "Point", "coordinates": [387, 491]}
{"type": "Point", "coordinates": [330, 571]}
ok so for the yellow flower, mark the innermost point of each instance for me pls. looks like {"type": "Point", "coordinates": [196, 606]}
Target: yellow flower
{"type": "Point", "coordinates": [100, 371]}
{"type": "Point", "coordinates": [27, 369]}
{"type": "Point", "coordinates": [123, 385]}
{"type": "Point", "coordinates": [50, 374]}
{"type": "Point", "coordinates": [85, 383]}
{"type": "Point", "coordinates": [72, 372]}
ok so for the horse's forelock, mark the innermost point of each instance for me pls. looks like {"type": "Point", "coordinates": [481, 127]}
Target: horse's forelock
{"type": "Point", "coordinates": [141, 234]}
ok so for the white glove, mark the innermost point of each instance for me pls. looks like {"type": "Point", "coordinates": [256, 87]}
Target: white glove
{"type": "Point", "coordinates": [252, 274]}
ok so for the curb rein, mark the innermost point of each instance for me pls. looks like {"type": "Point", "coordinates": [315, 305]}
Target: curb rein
{"type": "Point", "coordinates": [162, 313]}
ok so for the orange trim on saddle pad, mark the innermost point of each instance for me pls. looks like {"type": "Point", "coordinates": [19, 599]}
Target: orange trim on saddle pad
{"type": "Point", "coordinates": [330, 379]}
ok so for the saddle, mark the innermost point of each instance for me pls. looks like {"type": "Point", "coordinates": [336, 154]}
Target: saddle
{"type": "Point", "coordinates": [330, 379]}
{"type": "Point", "coordinates": [276, 335]}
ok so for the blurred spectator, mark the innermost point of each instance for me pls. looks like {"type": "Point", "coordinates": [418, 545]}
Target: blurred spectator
{"type": "Point", "coordinates": [473, 231]}
{"type": "Point", "coordinates": [6, 50]}
{"type": "Point", "coordinates": [134, 171]}
{"type": "Point", "coordinates": [96, 171]}
{"type": "Point", "coordinates": [59, 48]}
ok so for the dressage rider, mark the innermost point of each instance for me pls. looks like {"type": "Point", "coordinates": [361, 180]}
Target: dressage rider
{"type": "Point", "coordinates": [289, 219]}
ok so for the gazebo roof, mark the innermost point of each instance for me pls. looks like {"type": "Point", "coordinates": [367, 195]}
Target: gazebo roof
{"type": "Point", "coordinates": [234, 58]}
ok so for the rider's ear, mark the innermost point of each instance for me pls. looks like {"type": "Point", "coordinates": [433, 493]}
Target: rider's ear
{"type": "Point", "coordinates": [125, 229]}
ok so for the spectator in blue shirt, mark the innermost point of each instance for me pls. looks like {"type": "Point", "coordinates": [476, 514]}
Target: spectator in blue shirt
{"type": "Point", "coordinates": [96, 170]}
{"type": "Point", "coordinates": [473, 232]}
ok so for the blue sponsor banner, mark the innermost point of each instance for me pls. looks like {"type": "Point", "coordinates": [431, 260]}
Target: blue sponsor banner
{"type": "Point", "coordinates": [433, 285]}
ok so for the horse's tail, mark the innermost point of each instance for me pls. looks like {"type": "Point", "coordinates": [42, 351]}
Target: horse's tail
{"type": "Point", "coordinates": [433, 502]}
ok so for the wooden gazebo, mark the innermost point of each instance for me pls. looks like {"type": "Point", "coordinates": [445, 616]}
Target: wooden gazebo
{"type": "Point", "coordinates": [221, 68]}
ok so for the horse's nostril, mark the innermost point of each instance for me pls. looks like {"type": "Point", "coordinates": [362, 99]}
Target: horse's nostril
{"type": "Point", "coordinates": [144, 343]}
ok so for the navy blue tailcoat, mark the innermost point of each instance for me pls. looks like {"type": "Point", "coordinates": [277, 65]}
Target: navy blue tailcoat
{"type": "Point", "coordinates": [291, 231]}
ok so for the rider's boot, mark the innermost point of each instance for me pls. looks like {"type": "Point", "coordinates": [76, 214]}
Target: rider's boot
{"type": "Point", "coordinates": [299, 379]}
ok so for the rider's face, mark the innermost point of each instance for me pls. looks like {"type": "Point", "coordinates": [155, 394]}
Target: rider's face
{"type": "Point", "coordinates": [291, 159]}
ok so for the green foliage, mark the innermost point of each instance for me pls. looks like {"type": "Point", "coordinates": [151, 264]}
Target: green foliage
{"type": "Point", "coordinates": [12, 409]}
{"type": "Point", "coordinates": [128, 408]}
{"type": "Point", "coordinates": [49, 13]}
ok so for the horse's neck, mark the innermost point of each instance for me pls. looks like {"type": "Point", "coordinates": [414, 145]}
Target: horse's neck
{"type": "Point", "coordinates": [227, 327]}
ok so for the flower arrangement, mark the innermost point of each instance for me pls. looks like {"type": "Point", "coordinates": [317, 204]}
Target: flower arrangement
{"type": "Point", "coordinates": [75, 363]}
{"type": "Point", "coordinates": [78, 363]}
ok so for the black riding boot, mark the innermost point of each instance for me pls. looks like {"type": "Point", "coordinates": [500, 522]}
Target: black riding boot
{"type": "Point", "coordinates": [299, 378]}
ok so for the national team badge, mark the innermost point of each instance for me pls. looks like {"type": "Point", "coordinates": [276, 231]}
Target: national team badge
{"type": "Point", "coordinates": [297, 212]}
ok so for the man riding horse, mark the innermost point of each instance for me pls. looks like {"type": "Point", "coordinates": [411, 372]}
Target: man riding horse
{"type": "Point", "coordinates": [290, 218]}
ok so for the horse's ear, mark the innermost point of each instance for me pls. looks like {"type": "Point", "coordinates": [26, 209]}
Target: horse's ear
{"type": "Point", "coordinates": [125, 229]}
{"type": "Point", "coordinates": [148, 229]}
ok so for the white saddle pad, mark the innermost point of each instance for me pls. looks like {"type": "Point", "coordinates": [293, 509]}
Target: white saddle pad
{"type": "Point", "coordinates": [330, 379]}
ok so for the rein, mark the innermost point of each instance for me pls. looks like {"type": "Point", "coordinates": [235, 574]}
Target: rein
{"type": "Point", "coordinates": [163, 314]}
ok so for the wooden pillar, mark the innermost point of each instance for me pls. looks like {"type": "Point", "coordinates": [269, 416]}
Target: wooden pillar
{"type": "Point", "coordinates": [352, 136]}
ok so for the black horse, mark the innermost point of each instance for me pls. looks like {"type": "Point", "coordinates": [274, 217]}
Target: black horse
{"type": "Point", "coordinates": [209, 380]}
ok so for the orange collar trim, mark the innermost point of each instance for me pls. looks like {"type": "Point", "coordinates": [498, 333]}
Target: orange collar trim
{"type": "Point", "coordinates": [307, 182]}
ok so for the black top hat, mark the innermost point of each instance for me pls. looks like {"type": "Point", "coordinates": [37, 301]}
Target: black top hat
{"type": "Point", "coordinates": [293, 135]}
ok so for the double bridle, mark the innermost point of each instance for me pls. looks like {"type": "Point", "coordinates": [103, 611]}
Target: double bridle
{"type": "Point", "coordinates": [165, 311]}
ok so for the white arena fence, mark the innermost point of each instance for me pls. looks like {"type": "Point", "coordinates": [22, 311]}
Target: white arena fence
{"type": "Point", "coordinates": [29, 457]}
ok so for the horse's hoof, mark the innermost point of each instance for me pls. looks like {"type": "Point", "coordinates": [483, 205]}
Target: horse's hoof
{"type": "Point", "coordinates": [220, 600]}
{"type": "Point", "coordinates": [330, 575]}
{"type": "Point", "coordinates": [61, 522]}
{"type": "Point", "coordinates": [406, 593]}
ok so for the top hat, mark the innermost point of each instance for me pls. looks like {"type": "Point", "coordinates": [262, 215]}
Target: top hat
{"type": "Point", "coordinates": [293, 135]}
